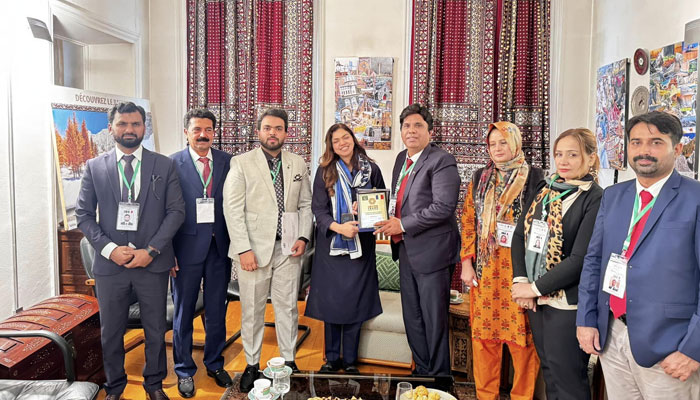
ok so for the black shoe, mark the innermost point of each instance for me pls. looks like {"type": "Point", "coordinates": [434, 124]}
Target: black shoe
{"type": "Point", "coordinates": [221, 377]}
{"type": "Point", "coordinates": [293, 366]}
{"type": "Point", "coordinates": [185, 386]}
{"type": "Point", "coordinates": [351, 369]}
{"type": "Point", "coordinates": [331, 366]}
{"type": "Point", "coordinates": [250, 374]}
{"type": "Point", "coordinates": [157, 394]}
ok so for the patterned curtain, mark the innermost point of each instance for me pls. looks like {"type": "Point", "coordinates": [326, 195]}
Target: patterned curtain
{"type": "Point", "coordinates": [478, 61]}
{"type": "Point", "coordinates": [248, 55]}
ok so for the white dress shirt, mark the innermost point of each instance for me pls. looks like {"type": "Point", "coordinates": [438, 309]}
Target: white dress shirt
{"type": "Point", "coordinates": [198, 164]}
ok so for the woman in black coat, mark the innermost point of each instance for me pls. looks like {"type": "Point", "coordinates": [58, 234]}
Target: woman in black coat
{"type": "Point", "coordinates": [344, 286]}
{"type": "Point", "coordinates": [549, 244]}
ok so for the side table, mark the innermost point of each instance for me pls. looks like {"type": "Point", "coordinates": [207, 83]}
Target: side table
{"type": "Point", "coordinates": [461, 338]}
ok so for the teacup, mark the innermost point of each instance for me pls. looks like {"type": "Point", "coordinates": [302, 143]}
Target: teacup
{"type": "Point", "coordinates": [276, 364]}
{"type": "Point", "coordinates": [262, 389]}
{"type": "Point", "coordinates": [455, 295]}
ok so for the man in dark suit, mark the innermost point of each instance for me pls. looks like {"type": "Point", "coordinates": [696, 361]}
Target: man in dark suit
{"type": "Point", "coordinates": [140, 209]}
{"type": "Point", "coordinates": [424, 238]}
{"type": "Point", "coordinates": [639, 304]}
{"type": "Point", "coordinates": [201, 247]}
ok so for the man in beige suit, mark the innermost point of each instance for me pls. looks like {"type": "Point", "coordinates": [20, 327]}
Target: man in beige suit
{"type": "Point", "coordinates": [261, 186]}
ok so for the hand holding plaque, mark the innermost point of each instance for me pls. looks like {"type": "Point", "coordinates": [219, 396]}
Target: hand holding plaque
{"type": "Point", "coordinates": [372, 207]}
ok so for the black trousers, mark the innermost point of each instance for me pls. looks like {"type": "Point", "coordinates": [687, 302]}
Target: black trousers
{"type": "Point", "coordinates": [114, 294]}
{"type": "Point", "coordinates": [564, 365]}
{"type": "Point", "coordinates": [347, 335]}
{"type": "Point", "coordinates": [425, 300]}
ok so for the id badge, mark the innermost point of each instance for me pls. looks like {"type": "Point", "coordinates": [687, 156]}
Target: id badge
{"type": "Point", "coordinates": [615, 279]}
{"type": "Point", "coordinates": [205, 210]}
{"type": "Point", "coordinates": [392, 206]}
{"type": "Point", "coordinates": [128, 216]}
{"type": "Point", "coordinates": [539, 231]}
{"type": "Point", "coordinates": [504, 233]}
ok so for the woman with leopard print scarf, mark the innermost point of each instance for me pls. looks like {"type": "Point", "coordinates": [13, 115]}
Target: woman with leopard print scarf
{"type": "Point", "coordinates": [494, 201]}
{"type": "Point", "coordinates": [549, 244]}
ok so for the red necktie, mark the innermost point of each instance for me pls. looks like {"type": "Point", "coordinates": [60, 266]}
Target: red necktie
{"type": "Point", "coordinates": [618, 306]}
{"type": "Point", "coordinates": [205, 174]}
{"type": "Point", "coordinates": [399, 196]}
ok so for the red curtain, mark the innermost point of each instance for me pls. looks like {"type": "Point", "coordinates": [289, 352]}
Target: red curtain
{"type": "Point", "coordinates": [248, 55]}
{"type": "Point", "coordinates": [478, 61]}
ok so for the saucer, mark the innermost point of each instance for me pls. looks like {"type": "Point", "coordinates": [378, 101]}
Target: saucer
{"type": "Point", "coordinates": [458, 301]}
{"type": "Point", "coordinates": [268, 373]}
{"type": "Point", "coordinates": [273, 395]}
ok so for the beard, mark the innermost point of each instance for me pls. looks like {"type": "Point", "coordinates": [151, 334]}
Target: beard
{"type": "Point", "coordinates": [129, 142]}
{"type": "Point", "coordinates": [272, 147]}
{"type": "Point", "coordinates": [645, 170]}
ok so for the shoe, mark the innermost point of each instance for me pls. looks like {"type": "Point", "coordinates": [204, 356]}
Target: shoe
{"type": "Point", "coordinates": [221, 377]}
{"type": "Point", "coordinates": [351, 369]}
{"type": "Point", "coordinates": [113, 396]}
{"type": "Point", "coordinates": [185, 386]}
{"type": "Point", "coordinates": [250, 374]}
{"type": "Point", "coordinates": [331, 366]}
{"type": "Point", "coordinates": [157, 394]}
{"type": "Point", "coordinates": [293, 366]}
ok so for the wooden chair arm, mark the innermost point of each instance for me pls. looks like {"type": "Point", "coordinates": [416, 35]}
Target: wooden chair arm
{"type": "Point", "coordinates": [90, 282]}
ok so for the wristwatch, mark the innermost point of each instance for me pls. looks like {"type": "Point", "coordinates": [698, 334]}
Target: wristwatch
{"type": "Point", "coordinates": [152, 252]}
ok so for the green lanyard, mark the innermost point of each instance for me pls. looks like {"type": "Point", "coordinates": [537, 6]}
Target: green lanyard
{"type": "Point", "coordinates": [201, 178]}
{"type": "Point", "coordinates": [276, 173]}
{"type": "Point", "coordinates": [133, 178]}
{"type": "Point", "coordinates": [636, 217]}
{"type": "Point", "coordinates": [547, 200]}
{"type": "Point", "coordinates": [402, 175]}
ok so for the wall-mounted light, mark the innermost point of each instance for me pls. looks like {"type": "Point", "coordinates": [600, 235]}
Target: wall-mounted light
{"type": "Point", "coordinates": [39, 29]}
{"type": "Point", "coordinates": [692, 31]}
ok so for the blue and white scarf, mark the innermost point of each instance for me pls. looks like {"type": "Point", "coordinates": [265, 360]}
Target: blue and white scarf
{"type": "Point", "coordinates": [342, 203]}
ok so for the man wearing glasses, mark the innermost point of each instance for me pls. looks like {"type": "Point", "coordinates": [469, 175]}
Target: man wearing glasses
{"type": "Point", "coordinates": [263, 186]}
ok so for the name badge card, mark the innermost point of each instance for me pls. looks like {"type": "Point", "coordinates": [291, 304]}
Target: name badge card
{"type": "Point", "coordinates": [205, 210]}
{"type": "Point", "coordinates": [504, 233]}
{"type": "Point", "coordinates": [615, 279]}
{"type": "Point", "coordinates": [392, 206]}
{"type": "Point", "coordinates": [539, 232]}
{"type": "Point", "coordinates": [128, 216]}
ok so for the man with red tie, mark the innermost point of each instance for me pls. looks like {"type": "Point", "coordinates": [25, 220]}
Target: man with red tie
{"type": "Point", "coordinates": [646, 326]}
{"type": "Point", "coordinates": [424, 238]}
{"type": "Point", "coordinates": [201, 247]}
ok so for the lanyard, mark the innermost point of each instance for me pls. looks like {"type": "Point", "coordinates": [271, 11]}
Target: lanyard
{"type": "Point", "coordinates": [547, 200]}
{"type": "Point", "coordinates": [201, 178]}
{"type": "Point", "coordinates": [636, 216]}
{"type": "Point", "coordinates": [133, 177]}
{"type": "Point", "coordinates": [402, 175]}
{"type": "Point", "coordinates": [276, 173]}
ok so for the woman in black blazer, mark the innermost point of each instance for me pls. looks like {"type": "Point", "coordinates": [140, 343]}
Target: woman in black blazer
{"type": "Point", "coordinates": [549, 244]}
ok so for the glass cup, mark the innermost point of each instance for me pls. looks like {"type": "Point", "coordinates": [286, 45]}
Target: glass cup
{"type": "Point", "coordinates": [280, 382]}
{"type": "Point", "coordinates": [404, 391]}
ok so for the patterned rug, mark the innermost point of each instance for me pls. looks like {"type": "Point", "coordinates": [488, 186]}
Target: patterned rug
{"type": "Point", "coordinates": [462, 391]}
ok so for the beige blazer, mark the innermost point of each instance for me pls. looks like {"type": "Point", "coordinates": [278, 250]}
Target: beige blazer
{"type": "Point", "coordinates": [250, 204]}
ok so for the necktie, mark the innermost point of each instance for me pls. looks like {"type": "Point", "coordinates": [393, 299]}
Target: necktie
{"type": "Point", "coordinates": [205, 173]}
{"type": "Point", "coordinates": [618, 306]}
{"type": "Point", "coordinates": [279, 192]}
{"type": "Point", "coordinates": [128, 174]}
{"type": "Point", "coordinates": [399, 197]}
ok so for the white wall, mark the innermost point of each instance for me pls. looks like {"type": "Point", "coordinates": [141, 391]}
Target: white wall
{"type": "Point", "coordinates": [25, 146]}
{"type": "Point", "coordinates": [622, 26]}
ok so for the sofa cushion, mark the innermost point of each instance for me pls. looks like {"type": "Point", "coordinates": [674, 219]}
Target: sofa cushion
{"type": "Point", "coordinates": [47, 390]}
{"type": "Point", "coordinates": [388, 272]}
{"type": "Point", "coordinates": [391, 318]}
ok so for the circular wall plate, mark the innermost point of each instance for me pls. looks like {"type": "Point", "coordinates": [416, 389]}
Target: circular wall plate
{"type": "Point", "coordinates": [641, 61]}
{"type": "Point", "coordinates": [639, 102]}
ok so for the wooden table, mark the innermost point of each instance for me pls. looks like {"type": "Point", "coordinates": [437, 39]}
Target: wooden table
{"type": "Point", "coordinates": [461, 338]}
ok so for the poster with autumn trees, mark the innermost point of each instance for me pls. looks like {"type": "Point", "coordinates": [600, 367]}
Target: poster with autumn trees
{"type": "Point", "coordinates": [75, 146]}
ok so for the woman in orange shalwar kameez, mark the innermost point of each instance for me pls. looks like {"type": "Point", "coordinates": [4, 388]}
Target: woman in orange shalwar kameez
{"type": "Point", "coordinates": [494, 201]}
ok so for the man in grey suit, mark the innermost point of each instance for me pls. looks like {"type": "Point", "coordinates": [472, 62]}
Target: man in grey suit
{"type": "Point", "coordinates": [263, 185]}
{"type": "Point", "coordinates": [140, 209]}
{"type": "Point", "coordinates": [424, 238]}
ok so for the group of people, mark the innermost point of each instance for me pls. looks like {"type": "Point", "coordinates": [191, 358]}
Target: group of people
{"type": "Point", "coordinates": [549, 260]}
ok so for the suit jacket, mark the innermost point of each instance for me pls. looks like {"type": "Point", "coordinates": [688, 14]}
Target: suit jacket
{"type": "Point", "coordinates": [250, 203]}
{"type": "Point", "coordinates": [192, 240]}
{"type": "Point", "coordinates": [428, 210]}
{"type": "Point", "coordinates": [663, 274]}
{"type": "Point", "coordinates": [161, 209]}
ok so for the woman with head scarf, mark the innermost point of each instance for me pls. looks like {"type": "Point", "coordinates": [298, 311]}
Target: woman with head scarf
{"type": "Point", "coordinates": [560, 218]}
{"type": "Point", "coordinates": [344, 285]}
{"type": "Point", "coordinates": [495, 199]}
